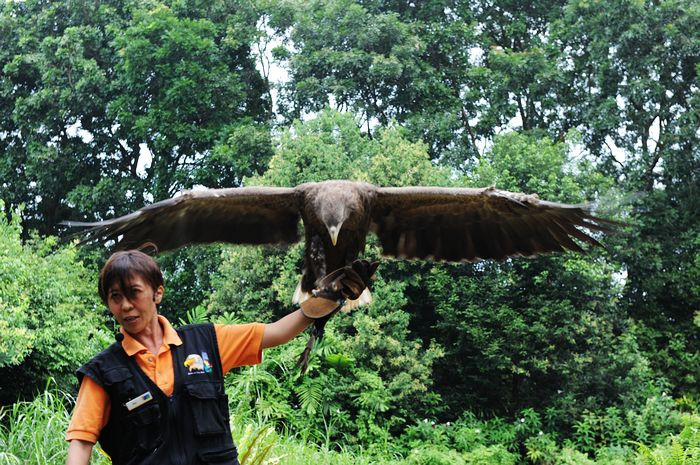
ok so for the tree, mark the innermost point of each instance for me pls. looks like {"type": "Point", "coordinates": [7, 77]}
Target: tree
{"type": "Point", "coordinates": [109, 106]}
{"type": "Point", "coordinates": [454, 73]}
{"type": "Point", "coordinates": [379, 61]}
{"type": "Point", "coordinates": [634, 70]}
{"type": "Point", "coordinates": [530, 332]}
{"type": "Point", "coordinates": [50, 321]}
{"type": "Point", "coordinates": [623, 74]}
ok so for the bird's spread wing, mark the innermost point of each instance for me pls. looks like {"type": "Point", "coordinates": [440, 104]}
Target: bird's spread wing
{"type": "Point", "coordinates": [469, 224]}
{"type": "Point", "coordinates": [249, 215]}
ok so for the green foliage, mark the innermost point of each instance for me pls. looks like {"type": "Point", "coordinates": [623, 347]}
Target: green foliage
{"type": "Point", "coordinates": [244, 149]}
{"type": "Point", "coordinates": [522, 441]}
{"type": "Point", "coordinates": [193, 89]}
{"type": "Point", "coordinates": [684, 448]}
{"type": "Point", "coordinates": [110, 105]}
{"type": "Point", "coordinates": [33, 432]}
{"type": "Point", "coordinates": [527, 163]}
{"type": "Point", "coordinates": [353, 404]}
{"type": "Point", "coordinates": [573, 457]}
{"type": "Point", "coordinates": [17, 340]}
{"type": "Point", "coordinates": [195, 315]}
{"type": "Point", "coordinates": [255, 445]}
{"type": "Point", "coordinates": [332, 146]}
{"type": "Point", "coordinates": [576, 101]}
{"type": "Point", "coordinates": [541, 448]}
{"type": "Point", "coordinates": [248, 285]}
{"type": "Point", "coordinates": [435, 455]}
{"type": "Point", "coordinates": [641, 62]}
{"type": "Point", "coordinates": [187, 274]}
{"type": "Point", "coordinates": [344, 47]}
{"type": "Point", "coordinates": [624, 75]}
{"type": "Point", "coordinates": [51, 317]}
{"type": "Point", "coordinates": [491, 455]}
{"type": "Point", "coordinates": [369, 375]}
{"type": "Point", "coordinates": [386, 383]}
{"type": "Point", "coordinates": [530, 340]}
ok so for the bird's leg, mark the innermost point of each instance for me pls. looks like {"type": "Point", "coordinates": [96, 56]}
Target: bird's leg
{"type": "Point", "coordinates": [352, 252]}
{"type": "Point", "coordinates": [317, 257]}
{"type": "Point", "coordinates": [316, 262]}
{"type": "Point", "coordinates": [314, 268]}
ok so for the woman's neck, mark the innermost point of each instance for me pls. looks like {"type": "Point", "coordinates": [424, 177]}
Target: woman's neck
{"type": "Point", "coordinates": [152, 336]}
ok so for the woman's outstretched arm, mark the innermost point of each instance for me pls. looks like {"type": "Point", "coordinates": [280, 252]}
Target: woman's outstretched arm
{"type": "Point", "coordinates": [79, 452]}
{"type": "Point", "coordinates": [285, 329]}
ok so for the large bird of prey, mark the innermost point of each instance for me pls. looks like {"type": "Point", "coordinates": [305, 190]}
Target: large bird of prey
{"type": "Point", "coordinates": [437, 223]}
{"type": "Point", "coordinates": [453, 224]}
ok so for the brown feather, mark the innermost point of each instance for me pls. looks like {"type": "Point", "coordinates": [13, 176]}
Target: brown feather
{"type": "Point", "coordinates": [437, 223]}
{"type": "Point", "coordinates": [489, 223]}
{"type": "Point", "coordinates": [254, 215]}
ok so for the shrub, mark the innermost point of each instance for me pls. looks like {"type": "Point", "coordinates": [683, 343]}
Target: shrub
{"type": "Point", "coordinates": [434, 455]}
{"type": "Point", "coordinates": [683, 449]}
{"type": "Point", "coordinates": [49, 318]}
{"type": "Point", "coordinates": [572, 457]}
{"type": "Point", "coordinates": [491, 455]}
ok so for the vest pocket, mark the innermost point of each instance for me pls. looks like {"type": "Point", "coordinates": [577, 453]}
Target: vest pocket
{"type": "Point", "coordinates": [116, 375]}
{"type": "Point", "coordinates": [223, 456]}
{"type": "Point", "coordinates": [120, 383]}
{"type": "Point", "coordinates": [209, 408]}
{"type": "Point", "coordinates": [146, 421]}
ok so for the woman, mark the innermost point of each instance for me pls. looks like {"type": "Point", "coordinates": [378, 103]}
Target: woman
{"type": "Point", "coordinates": [156, 396]}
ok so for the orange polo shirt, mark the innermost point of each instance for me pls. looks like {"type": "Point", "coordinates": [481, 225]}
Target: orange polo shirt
{"type": "Point", "coordinates": [238, 345]}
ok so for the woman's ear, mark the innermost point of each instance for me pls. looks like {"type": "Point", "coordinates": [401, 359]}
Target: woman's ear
{"type": "Point", "coordinates": [158, 294]}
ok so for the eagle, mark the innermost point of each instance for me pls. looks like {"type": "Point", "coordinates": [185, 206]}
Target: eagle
{"type": "Point", "coordinates": [432, 223]}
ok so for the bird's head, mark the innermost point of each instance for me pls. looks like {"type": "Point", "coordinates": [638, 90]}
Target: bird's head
{"type": "Point", "coordinates": [333, 211]}
{"type": "Point", "coordinates": [333, 218]}
{"type": "Point", "coordinates": [338, 204]}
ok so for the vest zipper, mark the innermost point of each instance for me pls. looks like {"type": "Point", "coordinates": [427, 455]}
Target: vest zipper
{"type": "Point", "coordinates": [179, 458]}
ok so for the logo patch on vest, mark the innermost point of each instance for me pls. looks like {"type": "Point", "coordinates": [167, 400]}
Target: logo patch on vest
{"type": "Point", "coordinates": [197, 364]}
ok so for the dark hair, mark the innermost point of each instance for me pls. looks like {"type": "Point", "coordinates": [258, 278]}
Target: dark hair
{"type": "Point", "coordinates": [122, 266]}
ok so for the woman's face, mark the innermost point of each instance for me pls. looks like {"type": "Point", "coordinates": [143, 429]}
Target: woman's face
{"type": "Point", "coordinates": [137, 312]}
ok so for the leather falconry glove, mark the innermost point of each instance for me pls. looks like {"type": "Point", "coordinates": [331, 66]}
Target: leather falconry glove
{"type": "Point", "coordinates": [346, 283]}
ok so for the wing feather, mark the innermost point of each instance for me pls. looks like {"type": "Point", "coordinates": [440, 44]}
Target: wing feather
{"type": "Point", "coordinates": [247, 215]}
{"type": "Point", "coordinates": [469, 224]}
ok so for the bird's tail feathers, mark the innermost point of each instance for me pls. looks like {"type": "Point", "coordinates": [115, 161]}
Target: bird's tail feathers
{"type": "Point", "coordinates": [299, 295]}
{"type": "Point", "coordinates": [364, 299]}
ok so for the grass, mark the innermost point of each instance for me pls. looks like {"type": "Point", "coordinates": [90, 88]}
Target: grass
{"type": "Point", "coordinates": [261, 445]}
{"type": "Point", "coordinates": [34, 433]}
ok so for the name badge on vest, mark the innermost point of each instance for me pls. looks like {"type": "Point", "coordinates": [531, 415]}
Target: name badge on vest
{"type": "Point", "coordinates": [138, 401]}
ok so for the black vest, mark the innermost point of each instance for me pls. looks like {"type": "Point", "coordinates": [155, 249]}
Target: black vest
{"type": "Point", "coordinates": [191, 426]}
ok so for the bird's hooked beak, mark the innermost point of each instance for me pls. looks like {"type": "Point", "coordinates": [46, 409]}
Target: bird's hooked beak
{"type": "Point", "coordinates": [333, 231]}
